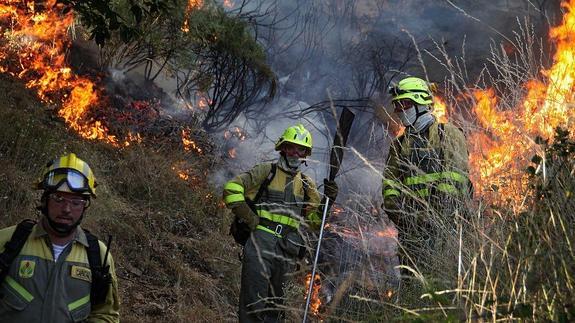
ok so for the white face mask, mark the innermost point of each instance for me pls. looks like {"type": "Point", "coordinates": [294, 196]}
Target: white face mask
{"type": "Point", "coordinates": [408, 116]}
{"type": "Point", "coordinates": [293, 162]}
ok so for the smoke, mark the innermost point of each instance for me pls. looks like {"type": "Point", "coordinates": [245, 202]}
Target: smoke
{"type": "Point", "coordinates": [345, 49]}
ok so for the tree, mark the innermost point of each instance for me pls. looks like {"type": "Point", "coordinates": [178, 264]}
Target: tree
{"type": "Point", "coordinates": [213, 55]}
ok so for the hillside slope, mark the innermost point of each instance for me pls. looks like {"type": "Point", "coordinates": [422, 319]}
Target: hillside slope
{"type": "Point", "coordinates": [174, 259]}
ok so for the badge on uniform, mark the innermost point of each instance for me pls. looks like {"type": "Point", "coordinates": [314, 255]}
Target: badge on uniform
{"type": "Point", "coordinates": [26, 268]}
{"type": "Point", "coordinates": [82, 273]}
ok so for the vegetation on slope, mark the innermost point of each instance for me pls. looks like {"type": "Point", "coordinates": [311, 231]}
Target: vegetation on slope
{"type": "Point", "coordinates": [174, 258]}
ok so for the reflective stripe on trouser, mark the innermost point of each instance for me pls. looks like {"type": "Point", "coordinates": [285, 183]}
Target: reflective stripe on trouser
{"type": "Point", "coordinates": [264, 269]}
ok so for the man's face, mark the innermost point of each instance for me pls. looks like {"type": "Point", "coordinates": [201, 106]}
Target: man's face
{"type": "Point", "coordinates": [401, 105]}
{"type": "Point", "coordinates": [66, 208]}
{"type": "Point", "coordinates": [293, 150]}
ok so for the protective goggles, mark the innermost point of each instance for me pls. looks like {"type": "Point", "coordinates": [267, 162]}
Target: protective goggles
{"type": "Point", "coordinates": [396, 91]}
{"type": "Point", "coordinates": [76, 181]}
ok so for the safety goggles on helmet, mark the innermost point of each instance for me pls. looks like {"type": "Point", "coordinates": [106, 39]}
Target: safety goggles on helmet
{"type": "Point", "coordinates": [76, 181]}
{"type": "Point", "coordinates": [396, 91]}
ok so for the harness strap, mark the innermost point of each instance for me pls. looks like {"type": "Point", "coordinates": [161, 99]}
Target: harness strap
{"type": "Point", "coordinates": [266, 183]}
{"type": "Point", "coordinates": [101, 278]}
{"type": "Point", "coordinates": [12, 248]}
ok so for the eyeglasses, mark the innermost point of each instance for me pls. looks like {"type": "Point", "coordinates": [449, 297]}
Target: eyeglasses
{"type": "Point", "coordinates": [74, 203]}
{"type": "Point", "coordinates": [77, 182]}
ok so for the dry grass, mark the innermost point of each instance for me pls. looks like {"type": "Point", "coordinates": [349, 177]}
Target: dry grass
{"type": "Point", "coordinates": [174, 259]}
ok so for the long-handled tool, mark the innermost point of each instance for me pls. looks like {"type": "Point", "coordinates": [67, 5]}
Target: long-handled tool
{"type": "Point", "coordinates": [339, 141]}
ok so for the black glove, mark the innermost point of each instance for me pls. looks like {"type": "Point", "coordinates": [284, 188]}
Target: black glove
{"type": "Point", "coordinates": [330, 189]}
{"type": "Point", "coordinates": [244, 212]}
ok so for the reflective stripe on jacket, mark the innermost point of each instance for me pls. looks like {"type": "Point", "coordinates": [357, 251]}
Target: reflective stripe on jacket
{"type": "Point", "coordinates": [39, 289]}
{"type": "Point", "coordinates": [439, 165]}
{"type": "Point", "coordinates": [283, 202]}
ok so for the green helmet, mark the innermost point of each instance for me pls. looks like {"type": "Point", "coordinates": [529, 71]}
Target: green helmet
{"type": "Point", "coordinates": [296, 135]}
{"type": "Point", "coordinates": [412, 88]}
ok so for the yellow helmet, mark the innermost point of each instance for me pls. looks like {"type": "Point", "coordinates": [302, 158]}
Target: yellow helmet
{"type": "Point", "coordinates": [296, 135]}
{"type": "Point", "coordinates": [68, 173]}
{"type": "Point", "coordinates": [412, 88]}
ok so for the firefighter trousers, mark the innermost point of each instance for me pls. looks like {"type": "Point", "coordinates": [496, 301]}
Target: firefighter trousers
{"type": "Point", "coordinates": [265, 266]}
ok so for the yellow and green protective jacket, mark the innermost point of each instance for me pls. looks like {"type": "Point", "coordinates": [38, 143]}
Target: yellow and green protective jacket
{"type": "Point", "coordinates": [39, 289]}
{"type": "Point", "coordinates": [290, 199]}
{"type": "Point", "coordinates": [426, 169]}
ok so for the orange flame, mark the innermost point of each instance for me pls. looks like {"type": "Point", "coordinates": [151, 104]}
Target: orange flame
{"type": "Point", "coordinates": [388, 232]}
{"type": "Point", "coordinates": [500, 153]}
{"type": "Point", "coordinates": [192, 5]}
{"type": "Point", "coordinates": [440, 109]}
{"type": "Point", "coordinates": [315, 301]}
{"type": "Point", "coordinates": [188, 143]}
{"type": "Point", "coordinates": [38, 42]}
{"type": "Point", "coordinates": [232, 153]}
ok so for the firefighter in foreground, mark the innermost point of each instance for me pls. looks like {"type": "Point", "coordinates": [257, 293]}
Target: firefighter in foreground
{"type": "Point", "coordinates": [52, 270]}
{"type": "Point", "coordinates": [426, 178]}
{"type": "Point", "coordinates": [274, 202]}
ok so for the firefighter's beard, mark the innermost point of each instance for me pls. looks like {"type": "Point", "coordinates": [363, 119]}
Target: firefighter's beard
{"type": "Point", "coordinates": [62, 229]}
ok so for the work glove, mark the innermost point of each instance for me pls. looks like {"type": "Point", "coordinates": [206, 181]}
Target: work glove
{"type": "Point", "coordinates": [244, 212]}
{"type": "Point", "coordinates": [330, 189]}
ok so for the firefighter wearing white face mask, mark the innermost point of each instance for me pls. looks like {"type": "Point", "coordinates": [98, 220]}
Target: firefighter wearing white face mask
{"type": "Point", "coordinates": [276, 201]}
{"type": "Point", "coordinates": [426, 176]}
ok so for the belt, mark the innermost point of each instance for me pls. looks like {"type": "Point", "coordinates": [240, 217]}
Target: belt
{"type": "Point", "coordinates": [274, 228]}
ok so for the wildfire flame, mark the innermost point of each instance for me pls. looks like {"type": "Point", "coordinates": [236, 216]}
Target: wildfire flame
{"type": "Point", "coordinates": [315, 301]}
{"type": "Point", "coordinates": [236, 132]}
{"type": "Point", "coordinates": [500, 153]}
{"type": "Point", "coordinates": [232, 153]}
{"type": "Point", "coordinates": [38, 41]}
{"type": "Point", "coordinates": [192, 5]}
{"type": "Point", "coordinates": [440, 109]}
{"type": "Point", "coordinates": [188, 143]}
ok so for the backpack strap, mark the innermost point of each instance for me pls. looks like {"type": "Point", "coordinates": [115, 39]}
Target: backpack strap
{"type": "Point", "coordinates": [266, 183]}
{"type": "Point", "coordinates": [441, 135]}
{"type": "Point", "coordinates": [101, 278]}
{"type": "Point", "coordinates": [13, 247]}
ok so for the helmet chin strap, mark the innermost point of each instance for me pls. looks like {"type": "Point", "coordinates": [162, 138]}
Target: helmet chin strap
{"type": "Point", "coordinates": [63, 230]}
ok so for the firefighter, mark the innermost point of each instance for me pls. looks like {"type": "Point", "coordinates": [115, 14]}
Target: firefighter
{"type": "Point", "coordinates": [276, 201]}
{"type": "Point", "coordinates": [426, 176]}
{"type": "Point", "coordinates": [52, 270]}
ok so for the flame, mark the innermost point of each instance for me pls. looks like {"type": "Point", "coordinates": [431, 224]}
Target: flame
{"type": "Point", "coordinates": [188, 143]}
{"type": "Point", "coordinates": [501, 151]}
{"type": "Point", "coordinates": [203, 103]}
{"type": "Point", "coordinates": [232, 153]}
{"type": "Point", "coordinates": [192, 5]}
{"type": "Point", "coordinates": [440, 109]}
{"type": "Point", "coordinates": [236, 132]}
{"type": "Point", "coordinates": [388, 232]}
{"type": "Point", "coordinates": [336, 210]}
{"type": "Point", "coordinates": [228, 4]}
{"type": "Point", "coordinates": [33, 49]}
{"type": "Point", "coordinates": [315, 301]}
